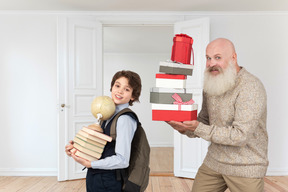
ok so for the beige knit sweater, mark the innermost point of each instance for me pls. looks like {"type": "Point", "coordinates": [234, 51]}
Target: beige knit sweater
{"type": "Point", "coordinates": [235, 124]}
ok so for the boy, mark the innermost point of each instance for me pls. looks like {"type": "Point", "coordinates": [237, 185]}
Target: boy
{"type": "Point", "coordinates": [101, 176]}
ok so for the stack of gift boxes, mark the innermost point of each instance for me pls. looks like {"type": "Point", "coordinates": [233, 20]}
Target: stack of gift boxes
{"type": "Point", "coordinates": [170, 99]}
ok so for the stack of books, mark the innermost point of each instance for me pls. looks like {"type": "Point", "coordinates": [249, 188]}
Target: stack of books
{"type": "Point", "coordinates": [89, 143]}
{"type": "Point", "coordinates": [170, 99]}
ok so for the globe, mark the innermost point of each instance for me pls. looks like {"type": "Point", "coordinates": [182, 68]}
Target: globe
{"type": "Point", "coordinates": [103, 107]}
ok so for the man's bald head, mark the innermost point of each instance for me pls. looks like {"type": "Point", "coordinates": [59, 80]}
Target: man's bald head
{"type": "Point", "coordinates": [225, 45]}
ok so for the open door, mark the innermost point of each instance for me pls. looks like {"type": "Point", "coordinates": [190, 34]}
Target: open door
{"type": "Point", "coordinates": [79, 82]}
{"type": "Point", "coordinates": [189, 153]}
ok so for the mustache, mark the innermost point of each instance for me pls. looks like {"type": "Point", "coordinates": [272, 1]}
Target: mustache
{"type": "Point", "coordinates": [214, 68]}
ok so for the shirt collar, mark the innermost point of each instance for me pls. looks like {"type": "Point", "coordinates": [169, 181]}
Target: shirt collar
{"type": "Point", "coordinates": [120, 107]}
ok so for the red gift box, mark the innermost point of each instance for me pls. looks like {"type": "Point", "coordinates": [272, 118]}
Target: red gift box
{"type": "Point", "coordinates": [169, 76]}
{"type": "Point", "coordinates": [181, 49]}
{"type": "Point", "coordinates": [170, 115]}
{"type": "Point", "coordinates": [166, 112]}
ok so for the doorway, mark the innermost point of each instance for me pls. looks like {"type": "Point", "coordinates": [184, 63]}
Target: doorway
{"type": "Point", "coordinates": [83, 76]}
{"type": "Point", "coordinates": [140, 49]}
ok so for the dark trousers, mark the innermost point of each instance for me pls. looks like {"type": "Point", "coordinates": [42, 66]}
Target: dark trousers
{"type": "Point", "coordinates": [102, 182]}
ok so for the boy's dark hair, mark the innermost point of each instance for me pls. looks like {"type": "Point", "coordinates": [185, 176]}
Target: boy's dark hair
{"type": "Point", "coordinates": [134, 81]}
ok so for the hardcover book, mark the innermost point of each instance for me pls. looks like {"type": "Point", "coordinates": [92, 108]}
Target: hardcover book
{"type": "Point", "coordinates": [87, 151]}
{"type": "Point", "coordinates": [97, 134]}
{"type": "Point", "coordinates": [88, 145]}
{"type": "Point", "coordinates": [91, 137]}
{"type": "Point", "coordinates": [83, 155]}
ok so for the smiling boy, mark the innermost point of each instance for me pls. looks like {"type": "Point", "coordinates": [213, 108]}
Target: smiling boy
{"type": "Point", "coordinates": [101, 176]}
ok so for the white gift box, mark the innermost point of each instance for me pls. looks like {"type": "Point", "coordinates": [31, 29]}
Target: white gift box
{"type": "Point", "coordinates": [171, 81]}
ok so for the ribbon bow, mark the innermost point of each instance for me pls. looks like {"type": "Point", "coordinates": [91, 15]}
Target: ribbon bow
{"type": "Point", "coordinates": [178, 101]}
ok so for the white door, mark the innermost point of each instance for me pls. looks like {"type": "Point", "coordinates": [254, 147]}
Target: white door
{"type": "Point", "coordinates": [189, 153]}
{"type": "Point", "coordinates": [79, 81]}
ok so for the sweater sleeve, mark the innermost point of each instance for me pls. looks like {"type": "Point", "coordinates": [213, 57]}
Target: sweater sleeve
{"type": "Point", "coordinates": [203, 115]}
{"type": "Point", "coordinates": [249, 113]}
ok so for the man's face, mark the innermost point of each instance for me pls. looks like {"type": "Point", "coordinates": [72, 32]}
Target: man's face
{"type": "Point", "coordinates": [221, 67]}
{"type": "Point", "coordinates": [217, 58]}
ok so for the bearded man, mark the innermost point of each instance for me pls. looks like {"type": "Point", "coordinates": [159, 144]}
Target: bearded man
{"type": "Point", "coordinates": [233, 119]}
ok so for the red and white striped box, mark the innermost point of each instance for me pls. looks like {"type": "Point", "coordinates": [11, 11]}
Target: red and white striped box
{"type": "Point", "coordinates": [174, 112]}
{"type": "Point", "coordinates": [171, 81]}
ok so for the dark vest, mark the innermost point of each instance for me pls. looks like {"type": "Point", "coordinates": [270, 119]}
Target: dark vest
{"type": "Point", "coordinates": [109, 148]}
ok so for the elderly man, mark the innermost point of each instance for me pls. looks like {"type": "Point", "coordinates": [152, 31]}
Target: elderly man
{"type": "Point", "coordinates": [233, 119]}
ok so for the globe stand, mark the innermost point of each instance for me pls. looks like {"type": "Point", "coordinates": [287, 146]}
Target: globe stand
{"type": "Point", "coordinates": [96, 126]}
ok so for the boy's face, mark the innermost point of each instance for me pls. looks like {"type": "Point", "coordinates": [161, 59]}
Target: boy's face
{"type": "Point", "coordinates": [121, 91]}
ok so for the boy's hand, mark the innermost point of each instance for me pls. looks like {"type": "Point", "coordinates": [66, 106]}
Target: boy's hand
{"type": "Point", "coordinates": [80, 160]}
{"type": "Point", "coordinates": [68, 148]}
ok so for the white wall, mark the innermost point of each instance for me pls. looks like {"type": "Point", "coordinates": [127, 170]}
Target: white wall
{"type": "Point", "coordinates": [28, 73]}
{"type": "Point", "coordinates": [28, 79]}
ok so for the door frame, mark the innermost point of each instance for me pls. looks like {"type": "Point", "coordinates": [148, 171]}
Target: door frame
{"type": "Point", "coordinates": [110, 20]}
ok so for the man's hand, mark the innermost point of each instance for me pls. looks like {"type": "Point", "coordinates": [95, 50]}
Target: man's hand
{"type": "Point", "coordinates": [184, 126]}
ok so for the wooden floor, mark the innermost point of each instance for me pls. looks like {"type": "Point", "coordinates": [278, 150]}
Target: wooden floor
{"type": "Point", "coordinates": [161, 179]}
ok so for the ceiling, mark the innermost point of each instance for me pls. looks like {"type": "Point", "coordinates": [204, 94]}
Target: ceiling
{"type": "Point", "coordinates": [145, 5]}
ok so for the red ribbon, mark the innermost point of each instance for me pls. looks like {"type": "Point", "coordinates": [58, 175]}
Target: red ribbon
{"type": "Point", "coordinates": [178, 101]}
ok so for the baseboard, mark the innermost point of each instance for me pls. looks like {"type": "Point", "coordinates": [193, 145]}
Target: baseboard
{"type": "Point", "coordinates": [161, 145]}
{"type": "Point", "coordinates": [277, 171]}
{"type": "Point", "coordinates": [28, 172]}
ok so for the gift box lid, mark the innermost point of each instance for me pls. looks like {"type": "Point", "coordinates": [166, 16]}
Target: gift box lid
{"type": "Point", "coordinates": [184, 38]}
{"type": "Point", "coordinates": [176, 65]}
{"type": "Point", "coordinates": [156, 106]}
{"type": "Point", "coordinates": [169, 76]}
{"type": "Point", "coordinates": [170, 90]}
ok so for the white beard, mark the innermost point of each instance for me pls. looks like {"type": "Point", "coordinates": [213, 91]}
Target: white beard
{"type": "Point", "coordinates": [221, 83]}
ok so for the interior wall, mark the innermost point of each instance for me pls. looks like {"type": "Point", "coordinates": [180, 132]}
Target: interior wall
{"type": "Point", "coordinates": [28, 82]}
